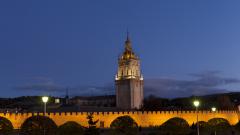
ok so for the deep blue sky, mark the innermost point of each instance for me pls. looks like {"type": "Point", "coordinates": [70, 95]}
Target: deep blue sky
{"type": "Point", "coordinates": [47, 45]}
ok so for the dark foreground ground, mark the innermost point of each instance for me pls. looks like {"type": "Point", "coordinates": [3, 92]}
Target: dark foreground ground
{"type": "Point", "coordinates": [149, 131]}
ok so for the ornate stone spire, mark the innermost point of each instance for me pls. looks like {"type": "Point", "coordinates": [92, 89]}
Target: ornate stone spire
{"type": "Point", "coordinates": [128, 46]}
{"type": "Point", "coordinates": [128, 53]}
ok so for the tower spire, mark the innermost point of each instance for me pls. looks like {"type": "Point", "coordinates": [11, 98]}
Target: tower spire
{"type": "Point", "coordinates": [128, 39]}
{"type": "Point", "coordinates": [128, 42]}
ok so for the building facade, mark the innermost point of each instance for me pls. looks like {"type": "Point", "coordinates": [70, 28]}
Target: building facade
{"type": "Point", "coordinates": [129, 80]}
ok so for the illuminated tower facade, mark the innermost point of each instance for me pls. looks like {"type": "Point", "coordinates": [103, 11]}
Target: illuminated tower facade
{"type": "Point", "coordinates": [129, 80]}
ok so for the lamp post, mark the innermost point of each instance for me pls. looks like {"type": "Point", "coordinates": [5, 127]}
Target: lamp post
{"type": "Point", "coordinates": [196, 103]}
{"type": "Point", "coordinates": [45, 100]}
{"type": "Point", "coordinates": [214, 110]}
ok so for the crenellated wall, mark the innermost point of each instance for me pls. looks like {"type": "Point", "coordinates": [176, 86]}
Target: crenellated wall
{"type": "Point", "coordinates": [143, 118]}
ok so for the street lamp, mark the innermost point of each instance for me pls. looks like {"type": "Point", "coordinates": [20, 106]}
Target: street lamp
{"type": "Point", "coordinates": [196, 103]}
{"type": "Point", "coordinates": [45, 100]}
{"type": "Point", "coordinates": [214, 110]}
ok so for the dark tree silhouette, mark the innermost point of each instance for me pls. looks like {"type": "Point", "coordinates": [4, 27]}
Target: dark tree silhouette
{"type": "Point", "coordinates": [38, 125]}
{"type": "Point", "coordinates": [237, 126]}
{"type": "Point", "coordinates": [124, 124]}
{"type": "Point", "coordinates": [225, 102]}
{"type": "Point", "coordinates": [203, 126]}
{"type": "Point", "coordinates": [175, 126]}
{"type": "Point", "coordinates": [92, 129]}
{"type": "Point", "coordinates": [6, 126]}
{"type": "Point", "coordinates": [152, 103]}
{"type": "Point", "coordinates": [219, 124]}
{"type": "Point", "coordinates": [70, 128]}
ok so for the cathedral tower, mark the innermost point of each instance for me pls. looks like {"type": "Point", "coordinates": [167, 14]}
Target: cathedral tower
{"type": "Point", "coordinates": [129, 80]}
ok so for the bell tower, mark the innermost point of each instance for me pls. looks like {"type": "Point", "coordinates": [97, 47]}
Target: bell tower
{"type": "Point", "coordinates": [129, 80]}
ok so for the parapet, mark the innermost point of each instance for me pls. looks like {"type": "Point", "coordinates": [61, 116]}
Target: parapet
{"type": "Point", "coordinates": [119, 113]}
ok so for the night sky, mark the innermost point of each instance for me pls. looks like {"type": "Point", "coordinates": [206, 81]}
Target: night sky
{"type": "Point", "coordinates": [186, 47]}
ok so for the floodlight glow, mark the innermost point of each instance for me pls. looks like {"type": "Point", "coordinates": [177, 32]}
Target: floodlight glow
{"type": "Point", "coordinates": [196, 103]}
{"type": "Point", "coordinates": [45, 99]}
{"type": "Point", "coordinates": [214, 109]}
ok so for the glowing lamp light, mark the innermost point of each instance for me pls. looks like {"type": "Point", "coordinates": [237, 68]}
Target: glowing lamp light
{"type": "Point", "coordinates": [57, 101]}
{"type": "Point", "coordinates": [45, 99]}
{"type": "Point", "coordinates": [196, 103]}
{"type": "Point", "coordinates": [214, 109]}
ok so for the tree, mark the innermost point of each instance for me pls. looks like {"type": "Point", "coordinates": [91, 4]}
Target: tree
{"type": "Point", "coordinates": [70, 128]}
{"type": "Point", "coordinates": [152, 103]}
{"type": "Point", "coordinates": [219, 124]}
{"type": "Point", "coordinates": [92, 129]}
{"type": "Point", "coordinates": [203, 127]}
{"type": "Point", "coordinates": [38, 125]}
{"type": "Point", "coordinates": [225, 102]}
{"type": "Point", "coordinates": [176, 126]}
{"type": "Point", "coordinates": [125, 125]}
{"type": "Point", "coordinates": [5, 126]}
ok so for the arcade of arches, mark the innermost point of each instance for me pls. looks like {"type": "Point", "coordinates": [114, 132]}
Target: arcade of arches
{"type": "Point", "coordinates": [143, 119]}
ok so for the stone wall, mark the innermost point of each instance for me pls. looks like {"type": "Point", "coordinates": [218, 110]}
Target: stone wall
{"type": "Point", "coordinates": [143, 118]}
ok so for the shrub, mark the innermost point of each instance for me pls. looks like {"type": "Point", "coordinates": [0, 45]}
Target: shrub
{"type": "Point", "coordinates": [219, 124]}
{"type": "Point", "coordinates": [5, 126]}
{"type": "Point", "coordinates": [125, 125]}
{"type": "Point", "coordinates": [176, 126]}
{"type": "Point", "coordinates": [70, 128]}
{"type": "Point", "coordinates": [38, 125]}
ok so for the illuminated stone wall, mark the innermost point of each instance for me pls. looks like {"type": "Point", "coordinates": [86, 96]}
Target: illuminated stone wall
{"type": "Point", "coordinates": [143, 119]}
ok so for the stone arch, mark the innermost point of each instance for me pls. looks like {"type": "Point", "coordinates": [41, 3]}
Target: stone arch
{"type": "Point", "coordinates": [38, 125]}
{"type": "Point", "coordinates": [126, 120]}
{"type": "Point", "coordinates": [5, 125]}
